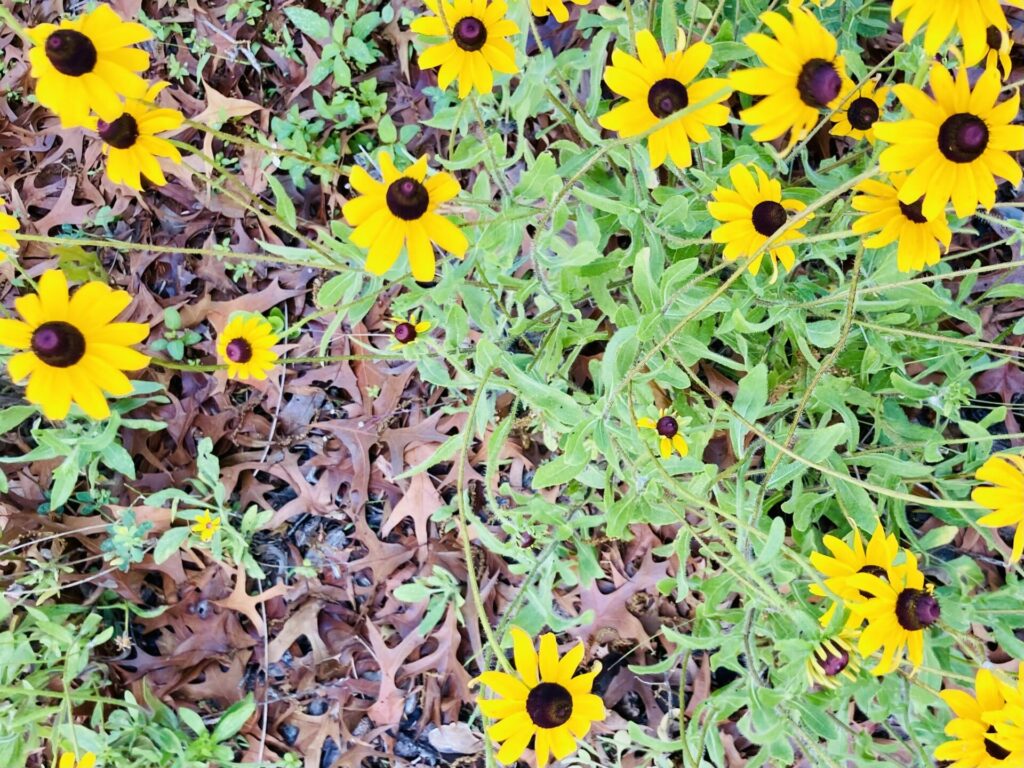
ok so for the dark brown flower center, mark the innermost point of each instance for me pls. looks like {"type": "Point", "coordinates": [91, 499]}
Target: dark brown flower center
{"type": "Point", "coordinates": [913, 211]}
{"type": "Point", "coordinates": [916, 609]}
{"type": "Point", "coordinates": [667, 426]}
{"type": "Point", "coordinates": [405, 333]}
{"type": "Point", "coordinates": [667, 96]}
{"type": "Point", "coordinates": [994, 38]}
{"type": "Point", "coordinates": [863, 113]}
{"type": "Point", "coordinates": [833, 663]}
{"type": "Point", "coordinates": [58, 344]}
{"type": "Point", "coordinates": [407, 198]}
{"type": "Point", "coordinates": [71, 52]}
{"type": "Point", "coordinates": [549, 705]}
{"type": "Point", "coordinates": [120, 134]}
{"type": "Point", "coordinates": [963, 137]}
{"type": "Point", "coordinates": [994, 750]}
{"type": "Point", "coordinates": [768, 217]}
{"type": "Point", "coordinates": [239, 351]}
{"type": "Point", "coordinates": [470, 34]}
{"type": "Point", "coordinates": [818, 83]}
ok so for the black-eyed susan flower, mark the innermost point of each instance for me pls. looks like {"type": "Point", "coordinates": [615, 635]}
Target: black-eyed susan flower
{"type": "Point", "coordinates": [1004, 740]}
{"type": "Point", "coordinates": [955, 144]}
{"type": "Point", "coordinates": [846, 561]}
{"type": "Point", "coordinates": [246, 346]}
{"type": "Point", "coordinates": [974, 742]}
{"type": "Point", "coordinates": [998, 55]}
{"type": "Point", "coordinates": [898, 610]}
{"type": "Point", "coordinates": [1005, 496]}
{"type": "Point", "coordinates": [67, 760]}
{"type": "Point", "coordinates": [667, 427]}
{"type": "Point", "coordinates": [546, 701]}
{"type": "Point", "coordinates": [408, 329]}
{"type": "Point", "coordinates": [206, 526]}
{"type": "Point", "coordinates": [801, 76]}
{"type": "Point", "coordinates": [859, 111]}
{"type": "Point", "coordinates": [72, 349]}
{"type": "Point", "coordinates": [87, 64]}
{"type": "Point", "coordinates": [402, 210]}
{"type": "Point", "coordinates": [751, 213]}
{"type": "Point", "coordinates": [555, 7]}
{"type": "Point", "coordinates": [969, 17]}
{"type": "Point", "coordinates": [8, 225]}
{"type": "Point", "coordinates": [917, 236]}
{"type": "Point", "coordinates": [131, 142]}
{"type": "Point", "coordinates": [656, 87]}
{"type": "Point", "coordinates": [475, 45]}
{"type": "Point", "coordinates": [833, 660]}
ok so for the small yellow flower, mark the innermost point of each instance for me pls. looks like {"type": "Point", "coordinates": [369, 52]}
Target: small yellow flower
{"type": "Point", "coordinates": [998, 56]}
{"type": "Point", "coordinates": [1005, 496]}
{"type": "Point", "coordinates": [833, 658]}
{"type": "Point", "coordinates": [546, 701]}
{"type": "Point", "coordinates": [71, 348]}
{"type": "Point", "coordinates": [555, 7]}
{"type": "Point", "coordinates": [246, 345]}
{"type": "Point", "coordinates": [975, 740]}
{"type": "Point", "coordinates": [401, 209]}
{"type": "Point", "coordinates": [88, 64]}
{"type": "Point", "coordinates": [131, 141]}
{"type": "Point", "coordinates": [957, 142]}
{"type": "Point", "coordinates": [8, 224]}
{"type": "Point", "coordinates": [476, 44]}
{"type": "Point", "coordinates": [846, 562]}
{"type": "Point", "coordinates": [657, 86]}
{"type": "Point", "coordinates": [890, 220]}
{"type": "Point", "coordinates": [408, 329]}
{"type": "Point", "coordinates": [862, 106]}
{"type": "Point", "coordinates": [667, 428]}
{"type": "Point", "coordinates": [67, 760]}
{"type": "Point", "coordinates": [898, 609]}
{"type": "Point", "coordinates": [751, 213]}
{"type": "Point", "coordinates": [206, 526]}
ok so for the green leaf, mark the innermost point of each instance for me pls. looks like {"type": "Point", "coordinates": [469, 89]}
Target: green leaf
{"type": "Point", "coordinates": [751, 397]}
{"type": "Point", "coordinates": [234, 718]}
{"type": "Point", "coordinates": [170, 542]}
{"type": "Point", "coordinates": [309, 23]}
{"type": "Point", "coordinates": [284, 208]}
{"type": "Point", "coordinates": [12, 416]}
{"type": "Point", "coordinates": [65, 477]}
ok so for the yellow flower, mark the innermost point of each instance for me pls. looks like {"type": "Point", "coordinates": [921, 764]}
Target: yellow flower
{"type": "Point", "coordinates": [955, 143]}
{"type": "Point", "coordinates": [667, 428]}
{"type": "Point", "coordinates": [88, 64]}
{"type": "Point", "coordinates": [73, 350]}
{"type": "Point", "coordinates": [476, 44]}
{"type": "Point", "coordinates": [408, 329]}
{"type": "Point", "coordinates": [555, 7]}
{"type": "Point", "coordinates": [206, 526]}
{"type": "Point", "coordinates": [246, 346]}
{"type": "Point", "coordinates": [8, 224]}
{"type": "Point", "coordinates": [402, 210]}
{"type": "Point", "coordinates": [750, 214]}
{"type": "Point", "coordinates": [67, 760]}
{"type": "Point", "coordinates": [975, 742]}
{"type": "Point", "coordinates": [898, 610]}
{"type": "Point", "coordinates": [131, 141]}
{"type": "Point", "coordinates": [846, 561]}
{"type": "Point", "coordinates": [998, 55]}
{"type": "Point", "coordinates": [859, 111]}
{"type": "Point", "coordinates": [832, 659]}
{"type": "Point", "coordinates": [969, 17]}
{"type": "Point", "coordinates": [1004, 741]}
{"type": "Point", "coordinates": [801, 76]}
{"type": "Point", "coordinates": [552, 704]}
{"type": "Point", "coordinates": [918, 237]}
{"type": "Point", "coordinates": [657, 86]}
{"type": "Point", "coordinates": [1005, 497]}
